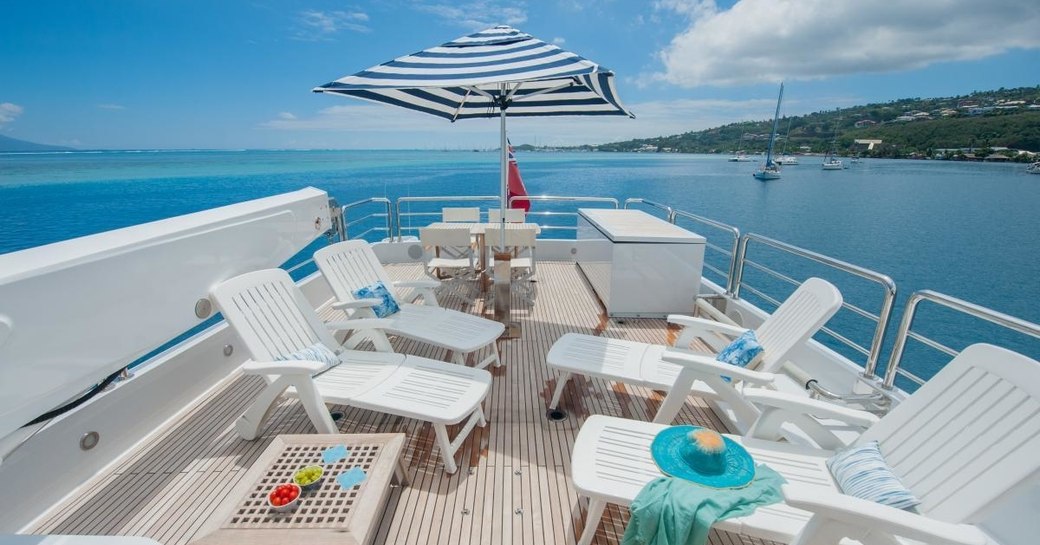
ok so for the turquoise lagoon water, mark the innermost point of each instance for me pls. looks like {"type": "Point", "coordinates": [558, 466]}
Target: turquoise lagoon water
{"type": "Point", "coordinates": [965, 229]}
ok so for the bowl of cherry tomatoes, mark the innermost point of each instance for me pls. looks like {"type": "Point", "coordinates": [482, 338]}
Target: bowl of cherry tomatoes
{"type": "Point", "coordinates": [284, 497]}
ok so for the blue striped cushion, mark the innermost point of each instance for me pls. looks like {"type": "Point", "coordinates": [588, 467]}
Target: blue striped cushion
{"type": "Point", "coordinates": [862, 472]}
{"type": "Point", "coordinates": [316, 352]}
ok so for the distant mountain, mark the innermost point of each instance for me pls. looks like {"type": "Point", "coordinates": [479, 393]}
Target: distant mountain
{"type": "Point", "coordinates": [983, 120]}
{"type": "Point", "coordinates": [12, 144]}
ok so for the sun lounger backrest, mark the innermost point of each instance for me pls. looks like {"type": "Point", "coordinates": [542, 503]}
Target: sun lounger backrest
{"type": "Point", "coordinates": [968, 435]}
{"type": "Point", "coordinates": [348, 266]}
{"type": "Point", "coordinates": [270, 314]}
{"type": "Point", "coordinates": [797, 319]}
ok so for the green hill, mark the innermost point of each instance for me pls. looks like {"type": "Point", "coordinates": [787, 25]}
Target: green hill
{"type": "Point", "coordinates": [8, 144]}
{"type": "Point", "coordinates": [909, 127]}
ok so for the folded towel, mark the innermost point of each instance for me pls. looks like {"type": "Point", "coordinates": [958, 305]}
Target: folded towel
{"type": "Point", "coordinates": [671, 511]}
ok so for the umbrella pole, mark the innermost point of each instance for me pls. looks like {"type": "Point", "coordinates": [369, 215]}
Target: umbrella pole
{"type": "Point", "coordinates": [503, 270]}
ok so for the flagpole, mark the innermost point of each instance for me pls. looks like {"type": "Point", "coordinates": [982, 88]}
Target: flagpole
{"type": "Point", "coordinates": [504, 167]}
{"type": "Point", "coordinates": [503, 271]}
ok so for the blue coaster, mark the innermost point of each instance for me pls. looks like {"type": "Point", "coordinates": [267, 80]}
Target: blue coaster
{"type": "Point", "coordinates": [351, 478]}
{"type": "Point", "coordinates": [334, 454]}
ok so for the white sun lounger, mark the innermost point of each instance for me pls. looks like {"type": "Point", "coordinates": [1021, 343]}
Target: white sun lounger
{"type": "Point", "coordinates": [658, 367]}
{"type": "Point", "coordinates": [273, 318]}
{"type": "Point", "coordinates": [961, 442]}
{"type": "Point", "coordinates": [350, 265]}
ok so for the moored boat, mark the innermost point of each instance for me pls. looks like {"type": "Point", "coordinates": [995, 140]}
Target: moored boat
{"type": "Point", "coordinates": [770, 170]}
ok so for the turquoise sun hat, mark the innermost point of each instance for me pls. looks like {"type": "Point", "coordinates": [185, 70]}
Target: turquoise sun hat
{"type": "Point", "coordinates": [702, 456]}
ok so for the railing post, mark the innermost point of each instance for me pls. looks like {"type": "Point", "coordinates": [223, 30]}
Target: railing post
{"type": "Point", "coordinates": [398, 219]}
{"type": "Point", "coordinates": [337, 215]}
{"type": "Point", "coordinates": [884, 315]}
{"type": "Point", "coordinates": [738, 272]}
{"type": "Point", "coordinates": [900, 344]}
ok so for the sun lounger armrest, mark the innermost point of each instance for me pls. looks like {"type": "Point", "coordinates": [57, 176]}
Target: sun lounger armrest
{"type": "Point", "coordinates": [357, 303]}
{"type": "Point", "coordinates": [876, 517]}
{"type": "Point", "coordinates": [282, 367]}
{"type": "Point", "coordinates": [709, 366]}
{"type": "Point", "coordinates": [362, 323]}
{"type": "Point", "coordinates": [417, 284]}
{"type": "Point", "coordinates": [422, 287]}
{"type": "Point", "coordinates": [694, 328]}
{"type": "Point", "coordinates": [813, 407]}
{"type": "Point", "coordinates": [701, 325]}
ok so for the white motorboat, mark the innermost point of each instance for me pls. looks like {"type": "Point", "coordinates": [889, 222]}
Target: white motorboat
{"type": "Point", "coordinates": [740, 157]}
{"type": "Point", "coordinates": [832, 163]}
{"type": "Point", "coordinates": [787, 160]}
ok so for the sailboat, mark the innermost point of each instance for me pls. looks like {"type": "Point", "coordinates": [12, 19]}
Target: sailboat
{"type": "Point", "coordinates": [830, 161]}
{"type": "Point", "coordinates": [784, 158]}
{"type": "Point", "coordinates": [771, 170]}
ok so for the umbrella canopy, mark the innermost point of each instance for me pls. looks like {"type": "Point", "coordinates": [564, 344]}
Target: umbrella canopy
{"type": "Point", "coordinates": [486, 74]}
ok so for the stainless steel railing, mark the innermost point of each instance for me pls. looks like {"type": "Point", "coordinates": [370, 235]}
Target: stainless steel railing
{"type": "Point", "coordinates": [559, 199]}
{"type": "Point", "coordinates": [668, 210]}
{"type": "Point", "coordinates": [352, 217]}
{"type": "Point", "coordinates": [730, 254]}
{"type": "Point", "coordinates": [430, 216]}
{"type": "Point", "coordinates": [881, 319]}
{"type": "Point", "coordinates": [905, 331]}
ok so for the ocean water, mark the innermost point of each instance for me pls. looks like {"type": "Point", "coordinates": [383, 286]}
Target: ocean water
{"type": "Point", "coordinates": [970, 230]}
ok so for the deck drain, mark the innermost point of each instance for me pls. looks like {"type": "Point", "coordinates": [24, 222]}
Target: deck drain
{"type": "Point", "coordinates": [555, 415]}
{"type": "Point", "coordinates": [336, 415]}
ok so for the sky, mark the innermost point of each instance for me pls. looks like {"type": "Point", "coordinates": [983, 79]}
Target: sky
{"type": "Point", "coordinates": [233, 74]}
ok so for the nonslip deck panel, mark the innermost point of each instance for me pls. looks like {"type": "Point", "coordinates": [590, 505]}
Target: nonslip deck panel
{"type": "Point", "coordinates": [513, 485]}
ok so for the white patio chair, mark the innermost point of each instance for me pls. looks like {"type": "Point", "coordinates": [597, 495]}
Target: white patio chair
{"type": "Point", "coordinates": [350, 265]}
{"type": "Point", "coordinates": [522, 243]}
{"type": "Point", "coordinates": [966, 438]}
{"type": "Point", "coordinates": [469, 215]}
{"type": "Point", "coordinates": [658, 367]}
{"type": "Point", "coordinates": [449, 253]}
{"type": "Point", "coordinates": [274, 320]}
{"type": "Point", "coordinates": [513, 215]}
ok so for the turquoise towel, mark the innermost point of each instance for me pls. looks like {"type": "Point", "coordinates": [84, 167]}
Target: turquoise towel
{"type": "Point", "coordinates": [671, 511]}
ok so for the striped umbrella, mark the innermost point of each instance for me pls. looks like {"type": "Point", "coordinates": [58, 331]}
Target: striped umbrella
{"type": "Point", "coordinates": [499, 71]}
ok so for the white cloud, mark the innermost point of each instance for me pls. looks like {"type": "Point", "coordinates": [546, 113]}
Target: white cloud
{"type": "Point", "coordinates": [762, 41]}
{"type": "Point", "coordinates": [314, 25]}
{"type": "Point", "coordinates": [111, 106]}
{"type": "Point", "coordinates": [477, 14]}
{"type": "Point", "coordinates": [558, 41]}
{"type": "Point", "coordinates": [373, 125]}
{"type": "Point", "coordinates": [288, 116]}
{"type": "Point", "coordinates": [8, 112]}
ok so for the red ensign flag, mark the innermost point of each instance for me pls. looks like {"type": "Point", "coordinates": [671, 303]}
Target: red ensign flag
{"type": "Point", "coordinates": [516, 183]}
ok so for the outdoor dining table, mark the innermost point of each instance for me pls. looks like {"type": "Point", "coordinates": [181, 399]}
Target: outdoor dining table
{"type": "Point", "coordinates": [502, 278]}
{"type": "Point", "coordinates": [478, 230]}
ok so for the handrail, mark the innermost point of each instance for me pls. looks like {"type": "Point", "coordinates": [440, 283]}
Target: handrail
{"type": "Point", "coordinates": [905, 332]}
{"type": "Point", "coordinates": [435, 198]}
{"type": "Point", "coordinates": [887, 284]}
{"type": "Point", "coordinates": [388, 215]}
{"type": "Point", "coordinates": [732, 253]}
{"type": "Point", "coordinates": [559, 198]}
{"type": "Point", "coordinates": [654, 204]}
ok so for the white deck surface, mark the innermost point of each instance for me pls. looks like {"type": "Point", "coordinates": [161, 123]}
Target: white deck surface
{"type": "Point", "coordinates": [513, 485]}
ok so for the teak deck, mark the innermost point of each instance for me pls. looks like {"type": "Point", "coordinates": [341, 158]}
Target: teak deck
{"type": "Point", "coordinates": [513, 484]}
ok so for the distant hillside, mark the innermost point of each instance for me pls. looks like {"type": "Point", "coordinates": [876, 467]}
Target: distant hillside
{"type": "Point", "coordinates": [12, 144]}
{"type": "Point", "coordinates": [909, 127]}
